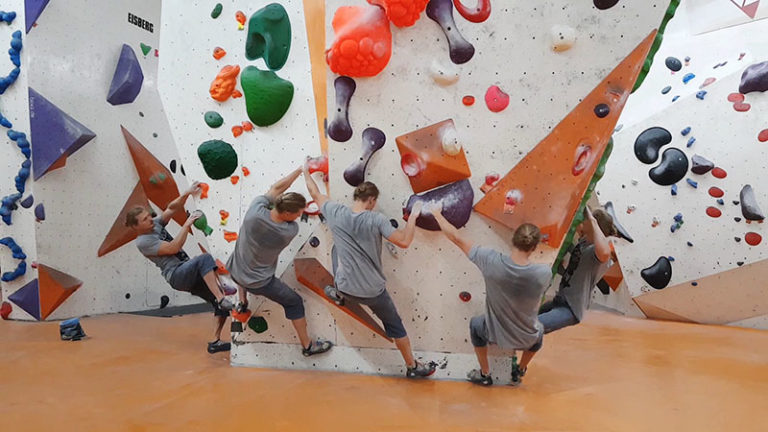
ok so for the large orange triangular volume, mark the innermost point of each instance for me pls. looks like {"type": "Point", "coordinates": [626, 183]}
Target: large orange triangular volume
{"type": "Point", "coordinates": [546, 187]}
{"type": "Point", "coordinates": [155, 178]}
{"type": "Point", "coordinates": [426, 163]}
{"type": "Point", "coordinates": [120, 234]}
{"type": "Point", "coordinates": [312, 274]}
{"type": "Point", "coordinates": [55, 287]}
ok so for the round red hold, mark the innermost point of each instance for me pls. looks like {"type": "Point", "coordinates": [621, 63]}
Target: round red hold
{"type": "Point", "coordinates": [714, 212]}
{"type": "Point", "coordinates": [716, 192]}
{"type": "Point", "coordinates": [753, 238]}
{"type": "Point", "coordinates": [468, 100]}
{"type": "Point", "coordinates": [741, 106]}
{"type": "Point", "coordinates": [763, 135]}
{"type": "Point", "coordinates": [5, 310]}
{"type": "Point", "coordinates": [465, 296]}
{"type": "Point", "coordinates": [719, 173]}
{"type": "Point", "coordinates": [735, 97]}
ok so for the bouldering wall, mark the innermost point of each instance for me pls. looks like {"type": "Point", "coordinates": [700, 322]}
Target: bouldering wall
{"type": "Point", "coordinates": [92, 94]}
{"type": "Point", "coordinates": [238, 77]}
{"type": "Point", "coordinates": [699, 220]}
{"type": "Point", "coordinates": [451, 119]}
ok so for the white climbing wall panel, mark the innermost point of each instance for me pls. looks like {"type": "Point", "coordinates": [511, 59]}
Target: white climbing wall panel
{"type": "Point", "coordinates": [187, 68]}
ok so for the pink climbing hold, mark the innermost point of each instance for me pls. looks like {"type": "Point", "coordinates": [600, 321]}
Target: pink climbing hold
{"type": "Point", "coordinates": [763, 135]}
{"type": "Point", "coordinates": [707, 82]}
{"type": "Point", "coordinates": [477, 14]}
{"type": "Point", "coordinates": [716, 192]}
{"type": "Point", "coordinates": [735, 97]}
{"type": "Point", "coordinates": [468, 100]}
{"type": "Point", "coordinates": [496, 99]}
{"type": "Point", "coordinates": [753, 238]}
{"type": "Point", "coordinates": [714, 212]}
{"type": "Point", "coordinates": [741, 107]}
{"type": "Point", "coordinates": [719, 173]}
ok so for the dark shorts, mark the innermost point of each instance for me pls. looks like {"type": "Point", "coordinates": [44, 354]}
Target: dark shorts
{"type": "Point", "coordinates": [478, 332]}
{"type": "Point", "coordinates": [556, 314]}
{"type": "Point", "coordinates": [383, 307]}
{"type": "Point", "coordinates": [189, 277]}
{"type": "Point", "coordinates": [282, 294]}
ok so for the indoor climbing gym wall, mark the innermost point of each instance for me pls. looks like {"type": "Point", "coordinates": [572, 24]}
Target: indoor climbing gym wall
{"type": "Point", "coordinates": [441, 101]}
{"type": "Point", "coordinates": [236, 83]}
{"type": "Point", "coordinates": [100, 143]}
{"type": "Point", "coordinates": [685, 175]}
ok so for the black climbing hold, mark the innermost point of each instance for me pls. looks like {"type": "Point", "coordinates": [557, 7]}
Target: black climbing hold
{"type": "Point", "coordinates": [649, 142]}
{"type": "Point", "coordinates": [602, 110]}
{"type": "Point", "coordinates": [754, 78]}
{"type": "Point", "coordinates": [605, 4]}
{"type": "Point", "coordinates": [173, 166]}
{"type": "Point", "coordinates": [603, 286]}
{"type": "Point", "coordinates": [735, 202]}
{"type": "Point", "coordinates": [738, 239]}
{"type": "Point", "coordinates": [673, 63]}
{"type": "Point", "coordinates": [749, 208]}
{"type": "Point", "coordinates": [182, 170]}
{"type": "Point", "coordinates": [701, 165]}
{"type": "Point", "coordinates": [127, 296]}
{"type": "Point", "coordinates": [672, 169]}
{"type": "Point", "coordinates": [695, 283]}
{"type": "Point", "coordinates": [164, 300]}
{"type": "Point", "coordinates": [394, 223]}
{"type": "Point", "coordinates": [690, 244]}
{"type": "Point", "coordinates": [314, 242]}
{"type": "Point", "coordinates": [737, 219]}
{"type": "Point", "coordinates": [739, 263]}
{"type": "Point", "coordinates": [659, 274]}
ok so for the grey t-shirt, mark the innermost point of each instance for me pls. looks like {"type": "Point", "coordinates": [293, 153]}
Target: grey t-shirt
{"type": "Point", "coordinates": [589, 272]}
{"type": "Point", "coordinates": [513, 295]}
{"type": "Point", "coordinates": [259, 244]}
{"type": "Point", "coordinates": [149, 244]}
{"type": "Point", "coordinates": [357, 243]}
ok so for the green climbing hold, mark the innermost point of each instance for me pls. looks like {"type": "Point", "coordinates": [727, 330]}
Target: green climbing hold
{"type": "Point", "coordinates": [213, 119]}
{"type": "Point", "coordinates": [258, 324]}
{"type": "Point", "coordinates": [145, 48]}
{"type": "Point", "coordinates": [216, 11]}
{"type": "Point", "coordinates": [269, 36]}
{"type": "Point", "coordinates": [267, 96]}
{"type": "Point", "coordinates": [219, 159]}
{"type": "Point", "coordinates": [201, 223]}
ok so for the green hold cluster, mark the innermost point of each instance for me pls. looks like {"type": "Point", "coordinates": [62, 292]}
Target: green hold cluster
{"type": "Point", "coordinates": [670, 13]}
{"type": "Point", "coordinates": [216, 11]}
{"type": "Point", "coordinates": [213, 119]}
{"type": "Point", "coordinates": [267, 96]}
{"type": "Point", "coordinates": [219, 159]}
{"type": "Point", "coordinates": [269, 36]}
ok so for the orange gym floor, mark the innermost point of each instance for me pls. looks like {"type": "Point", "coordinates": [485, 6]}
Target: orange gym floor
{"type": "Point", "coordinates": [138, 373]}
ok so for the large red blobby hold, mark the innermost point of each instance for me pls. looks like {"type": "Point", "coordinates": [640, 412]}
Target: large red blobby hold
{"type": "Point", "coordinates": [363, 42]}
{"type": "Point", "coordinates": [402, 13]}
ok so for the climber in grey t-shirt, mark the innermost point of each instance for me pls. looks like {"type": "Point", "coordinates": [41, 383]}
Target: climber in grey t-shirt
{"type": "Point", "coordinates": [514, 287]}
{"type": "Point", "coordinates": [268, 227]}
{"type": "Point", "coordinates": [358, 275]}
{"type": "Point", "coordinates": [590, 259]}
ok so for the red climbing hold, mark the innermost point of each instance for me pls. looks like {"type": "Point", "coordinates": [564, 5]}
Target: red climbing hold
{"type": "Point", "coordinates": [5, 310]}
{"type": "Point", "coordinates": [363, 42]}
{"type": "Point", "coordinates": [218, 53]}
{"type": "Point", "coordinates": [477, 14]}
{"type": "Point", "coordinates": [719, 173]}
{"type": "Point", "coordinates": [741, 107]}
{"type": "Point", "coordinates": [735, 97]}
{"type": "Point", "coordinates": [247, 126]}
{"type": "Point", "coordinates": [753, 238]}
{"type": "Point", "coordinates": [402, 13]}
{"type": "Point", "coordinates": [240, 17]}
{"type": "Point", "coordinates": [237, 131]}
{"type": "Point", "coordinates": [763, 135]}
{"type": "Point", "coordinates": [230, 236]}
{"type": "Point", "coordinates": [465, 296]}
{"type": "Point", "coordinates": [234, 179]}
{"type": "Point", "coordinates": [714, 212]}
{"type": "Point", "coordinates": [496, 99]}
{"type": "Point", "coordinates": [246, 172]}
{"type": "Point", "coordinates": [468, 100]}
{"type": "Point", "coordinates": [716, 192]}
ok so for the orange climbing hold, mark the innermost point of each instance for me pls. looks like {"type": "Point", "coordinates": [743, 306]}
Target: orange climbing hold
{"type": "Point", "coordinates": [425, 161]}
{"type": "Point", "coordinates": [363, 42]}
{"type": "Point", "coordinates": [221, 268]}
{"type": "Point", "coordinates": [246, 172]}
{"type": "Point", "coordinates": [224, 85]}
{"type": "Point", "coordinates": [240, 17]}
{"type": "Point", "coordinates": [551, 180]}
{"type": "Point", "coordinates": [218, 53]}
{"type": "Point", "coordinates": [204, 188]}
{"type": "Point", "coordinates": [224, 214]}
{"type": "Point", "coordinates": [234, 179]}
{"type": "Point", "coordinates": [247, 126]}
{"type": "Point", "coordinates": [402, 13]}
{"type": "Point", "coordinates": [237, 131]}
{"type": "Point", "coordinates": [230, 236]}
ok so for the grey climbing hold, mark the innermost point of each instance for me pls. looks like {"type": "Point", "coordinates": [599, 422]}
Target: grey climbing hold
{"type": "Point", "coordinates": [754, 78]}
{"type": "Point", "coordinates": [749, 207]}
{"type": "Point", "coordinates": [701, 165]}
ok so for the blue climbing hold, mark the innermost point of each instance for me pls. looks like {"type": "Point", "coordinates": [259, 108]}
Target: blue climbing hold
{"type": "Point", "coordinates": [671, 258]}
{"type": "Point", "coordinates": [40, 212]}
{"type": "Point", "coordinates": [675, 98]}
{"type": "Point", "coordinates": [678, 217]}
{"type": "Point", "coordinates": [685, 131]}
{"type": "Point", "coordinates": [688, 77]}
{"type": "Point", "coordinates": [666, 89]}
{"type": "Point", "coordinates": [27, 202]}
{"type": "Point", "coordinates": [720, 201]}
{"type": "Point", "coordinates": [690, 142]}
{"type": "Point", "coordinates": [692, 183]}
{"type": "Point", "coordinates": [674, 189]}
{"type": "Point", "coordinates": [7, 17]}
{"type": "Point", "coordinates": [701, 94]}
{"type": "Point", "coordinates": [18, 254]}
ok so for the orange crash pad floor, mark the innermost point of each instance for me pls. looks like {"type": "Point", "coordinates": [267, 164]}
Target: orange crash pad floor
{"type": "Point", "coordinates": [611, 373]}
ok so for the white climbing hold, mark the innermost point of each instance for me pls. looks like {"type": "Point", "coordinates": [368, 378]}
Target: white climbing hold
{"type": "Point", "coordinates": [563, 37]}
{"type": "Point", "coordinates": [449, 137]}
{"type": "Point", "coordinates": [443, 75]}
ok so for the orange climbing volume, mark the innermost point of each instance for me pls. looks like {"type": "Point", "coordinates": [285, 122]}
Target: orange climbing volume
{"type": "Point", "coordinates": [546, 187]}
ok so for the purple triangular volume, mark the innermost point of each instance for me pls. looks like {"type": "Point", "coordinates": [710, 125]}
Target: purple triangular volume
{"type": "Point", "coordinates": [28, 298]}
{"type": "Point", "coordinates": [55, 135]}
{"type": "Point", "coordinates": [32, 11]}
{"type": "Point", "coordinates": [127, 80]}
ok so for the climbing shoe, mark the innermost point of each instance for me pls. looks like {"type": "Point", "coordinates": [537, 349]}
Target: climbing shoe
{"type": "Point", "coordinates": [421, 370]}
{"type": "Point", "coordinates": [317, 347]}
{"type": "Point", "coordinates": [218, 346]}
{"type": "Point", "coordinates": [476, 376]}
{"type": "Point", "coordinates": [332, 293]}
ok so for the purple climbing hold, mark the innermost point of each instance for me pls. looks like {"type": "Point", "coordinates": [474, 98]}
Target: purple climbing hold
{"type": "Point", "coordinates": [40, 212]}
{"type": "Point", "coordinates": [688, 77]}
{"type": "Point", "coordinates": [754, 78]}
{"type": "Point", "coordinates": [457, 201]}
{"type": "Point", "coordinates": [28, 298]}
{"type": "Point", "coordinates": [701, 165]}
{"type": "Point", "coordinates": [649, 142]}
{"type": "Point", "coordinates": [441, 12]}
{"type": "Point", "coordinates": [690, 142]}
{"type": "Point", "coordinates": [57, 135]}
{"type": "Point", "coordinates": [623, 233]}
{"type": "Point", "coordinates": [32, 11]}
{"type": "Point", "coordinates": [685, 131]}
{"type": "Point", "coordinates": [671, 169]}
{"type": "Point", "coordinates": [127, 80]}
{"type": "Point", "coordinates": [340, 129]}
{"type": "Point", "coordinates": [373, 141]}
{"type": "Point", "coordinates": [659, 274]}
{"type": "Point", "coordinates": [749, 207]}
{"type": "Point", "coordinates": [693, 184]}
{"type": "Point", "coordinates": [27, 202]}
